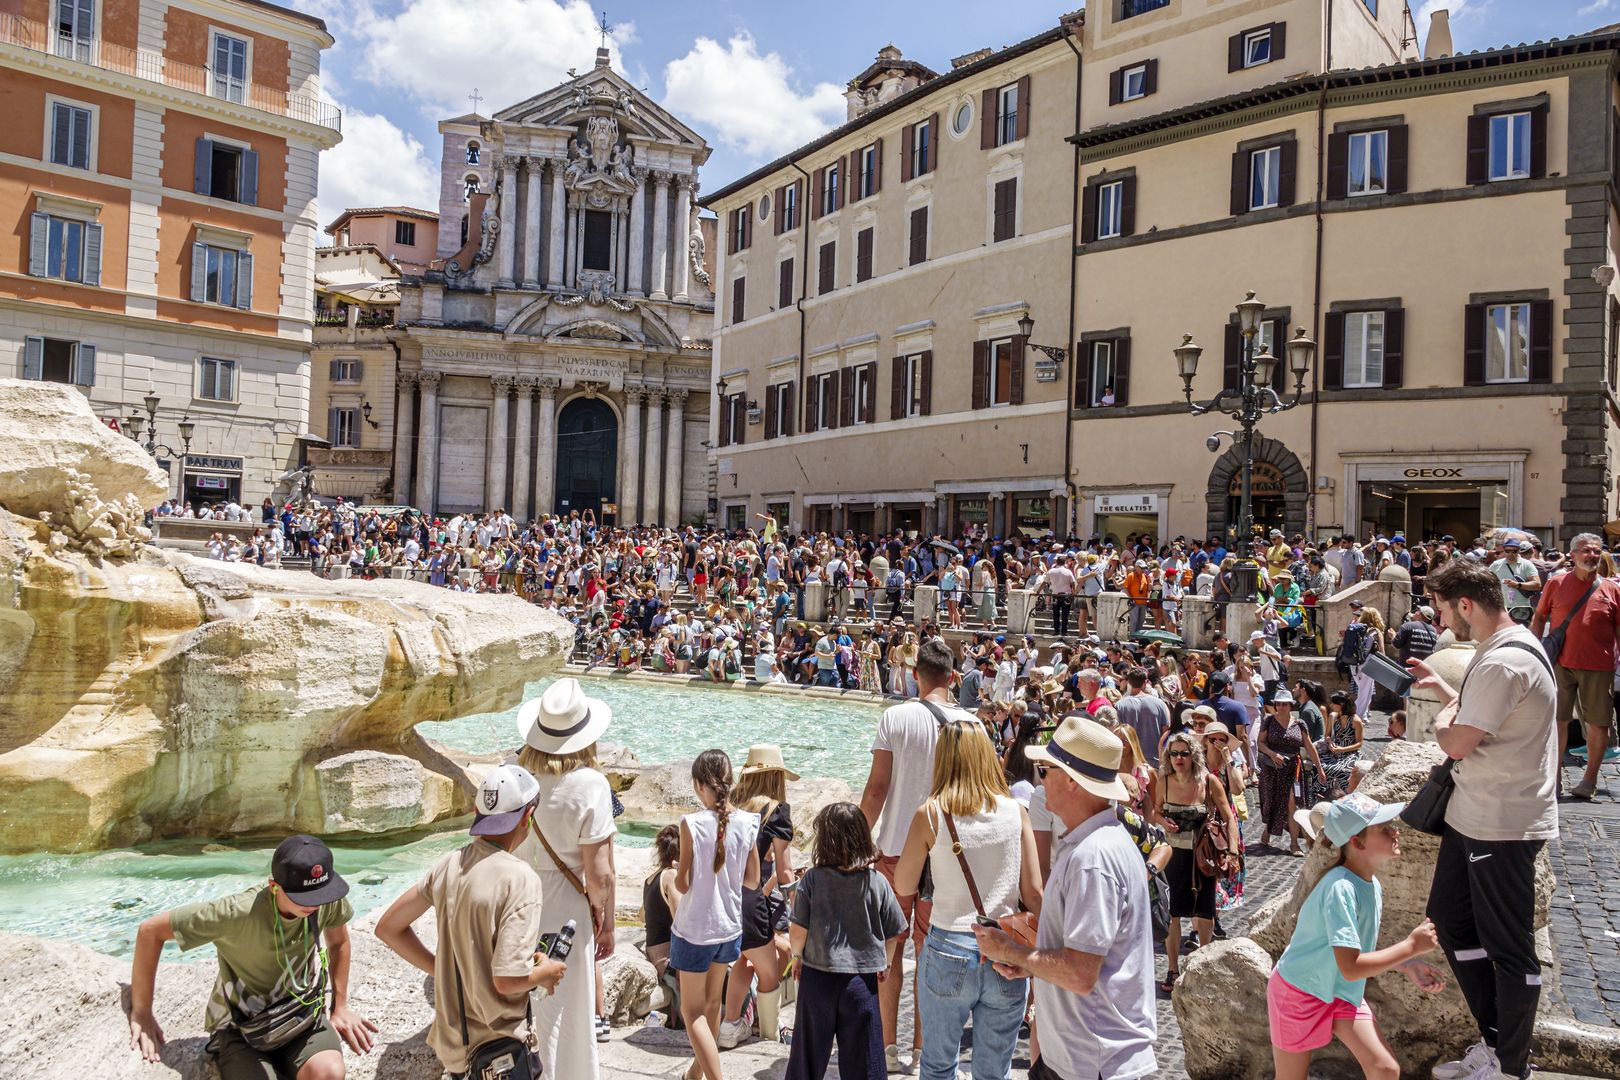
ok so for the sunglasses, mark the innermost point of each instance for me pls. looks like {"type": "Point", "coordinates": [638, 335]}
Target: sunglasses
{"type": "Point", "coordinates": [1181, 753]}
{"type": "Point", "coordinates": [1041, 771]}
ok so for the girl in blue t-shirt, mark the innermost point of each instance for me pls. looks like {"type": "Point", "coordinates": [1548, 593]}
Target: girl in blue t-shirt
{"type": "Point", "coordinates": [1318, 989]}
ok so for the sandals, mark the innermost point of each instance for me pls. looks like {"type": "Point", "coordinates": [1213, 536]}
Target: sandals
{"type": "Point", "coordinates": [1168, 983]}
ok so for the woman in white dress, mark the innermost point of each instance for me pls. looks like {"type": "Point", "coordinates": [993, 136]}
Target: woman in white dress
{"type": "Point", "coordinates": [575, 820]}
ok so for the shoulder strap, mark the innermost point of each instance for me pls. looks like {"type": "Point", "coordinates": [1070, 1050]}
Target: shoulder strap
{"type": "Point", "coordinates": [934, 710]}
{"type": "Point", "coordinates": [1576, 610]}
{"type": "Point", "coordinates": [1532, 649]}
{"type": "Point", "coordinates": [573, 878]}
{"type": "Point", "coordinates": [961, 858]}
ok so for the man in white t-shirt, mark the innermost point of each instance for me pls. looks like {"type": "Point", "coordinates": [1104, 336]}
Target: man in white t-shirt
{"type": "Point", "coordinates": [898, 785]}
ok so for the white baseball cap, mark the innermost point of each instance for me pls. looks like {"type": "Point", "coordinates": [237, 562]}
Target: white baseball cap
{"type": "Point", "coordinates": [1346, 817]}
{"type": "Point", "coordinates": [507, 790]}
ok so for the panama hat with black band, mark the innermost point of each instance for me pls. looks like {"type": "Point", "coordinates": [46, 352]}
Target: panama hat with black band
{"type": "Point", "coordinates": [563, 719]}
{"type": "Point", "coordinates": [1089, 753]}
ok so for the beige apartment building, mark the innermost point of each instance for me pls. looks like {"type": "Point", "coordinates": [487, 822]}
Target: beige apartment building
{"type": "Point", "coordinates": [1443, 228]}
{"type": "Point", "coordinates": [870, 371]}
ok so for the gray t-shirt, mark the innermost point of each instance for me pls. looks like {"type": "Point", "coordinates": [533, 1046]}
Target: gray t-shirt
{"type": "Point", "coordinates": [1506, 787]}
{"type": "Point", "coordinates": [1150, 718]}
{"type": "Point", "coordinates": [849, 915]}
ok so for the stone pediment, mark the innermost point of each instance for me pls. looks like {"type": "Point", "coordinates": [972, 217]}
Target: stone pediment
{"type": "Point", "coordinates": [603, 92]}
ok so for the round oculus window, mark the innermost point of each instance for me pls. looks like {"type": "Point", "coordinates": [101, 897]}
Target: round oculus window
{"type": "Point", "coordinates": [963, 118]}
{"type": "Point", "coordinates": [765, 207]}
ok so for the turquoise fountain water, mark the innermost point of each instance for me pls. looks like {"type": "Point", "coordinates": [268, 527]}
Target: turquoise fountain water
{"type": "Point", "coordinates": [97, 899]}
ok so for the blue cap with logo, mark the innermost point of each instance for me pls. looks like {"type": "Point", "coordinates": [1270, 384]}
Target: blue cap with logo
{"type": "Point", "coordinates": [1348, 816]}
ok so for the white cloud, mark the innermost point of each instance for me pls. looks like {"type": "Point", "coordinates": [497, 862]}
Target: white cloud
{"type": "Point", "coordinates": [376, 164]}
{"type": "Point", "coordinates": [436, 51]}
{"type": "Point", "coordinates": [1595, 7]}
{"type": "Point", "coordinates": [747, 100]}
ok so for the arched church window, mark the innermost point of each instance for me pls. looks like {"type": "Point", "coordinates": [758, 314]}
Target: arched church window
{"type": "Point", "coordinates": [469, 187]}
{"type": "Point", "coordinates": [473, 153]}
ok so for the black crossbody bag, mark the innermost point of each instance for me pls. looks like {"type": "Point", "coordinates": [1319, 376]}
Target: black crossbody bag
{"type": "Point", "coordinates": [503, 1058]}
{"type": "Point", "coordinates": [280, 1023]}
{"type": "Point", "coordinates": [1553, 643]}
{"type": "Point", "coordinates": [1427, 811]}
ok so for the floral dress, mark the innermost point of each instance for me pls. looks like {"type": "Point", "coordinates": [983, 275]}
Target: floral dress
{"type": "Point", "coordinates": [1229, 891]}
{"type": "Point", "coordinates": [869, 669]}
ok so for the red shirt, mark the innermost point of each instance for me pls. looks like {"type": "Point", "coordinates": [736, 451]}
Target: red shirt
{"type": "Point", "coordinates": [1589, 643]}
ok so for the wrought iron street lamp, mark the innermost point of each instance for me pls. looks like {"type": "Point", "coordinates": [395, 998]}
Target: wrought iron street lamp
{"type": "Point", "coordinates": [186, 428]}
{"type": "Point", "coordinates": [1246, 403]}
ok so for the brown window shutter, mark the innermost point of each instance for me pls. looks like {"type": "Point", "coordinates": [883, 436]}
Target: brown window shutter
{"type": "Point", "coordinates": [827, 270]}
{"type": "Point", "coordinates": [919, 235]}
{"type": "Point", "coordinates": [897, 389]}
{"type": "Point", "coordinates": [1150, 78]}
{"type": "Point", "coordinates": [1285, 173]}
{"type": "Point", "coordinates": [1015, 391]}
{"type": "Point", "coordinates": [1023, 107]}
{"type": "Point", "coordinates": [1082, 376]}
{"type": "Point", "coordinates": [817, 193]}
{"type": "Point", "coordinates": [784, 285]}
{"type": "Point", "coordinates": [852, 186]}
{"type": "Point", "coordinates": [731, 233]}
{"type": "Point", "coordinates": [725, 421]}
{"type": "Point", "coordinates": [810, 403]}
{"type": "Point", "coordinates": [781, 207]}
{"type": "Point", "coordinates": [1005, 225]}
{"type": "Point", "coordinates": [908, 140]}
{"type": "Point", "coordinates": [877, 166]}
{"type": "Point", "coordinates": [1234, 52]}
{"type": "Point", "coordinates": [1479, 151]}
{"type": "Point", "coordinates": [871, 391]}
{"type": "Point", "coordinates": [1240, 183]}
{"type": "Point", "coordinates": [1122, 371]}
{"type": "Point", "coordinates": [845, 178]}
{"type": "Point", "coordinates": [1541, 334]}
{"type": "Point", "coordinates": [987, 119]}
{"type": "Point", "coordinates": [933, 142]}
{"type": "Point", "coordinates": [1395, 173]}
{"type": "Point", "coordinates": [1232, 360]}
{"type": "Point", "coordinates": [1333, 350]}
{"type": "Point", "coordinates": [1116, 86]}
{"type": "Point", "coordinates": [1474, 345]}
{"type": "Point", "coordinates": [1338, 166]}
{"type": "Point", "coordinates": [1127, 206]}
{"type": "Point", "coordinates": [1394, 348]}
{"type": "Point", "coordinates": [748, 225]}
{"type": "Point", "coordinates": [1538, 141]}
{"type": "Point", "coordinates": [927, 394]}
{"type": "Point", "coordinates": [1279, 40]}
{"type": "Point", "coordinates": [846, 397]}
{"type": "Point", "coordinates": [770, 412]}
{"type": "Point", "coordinates": [1279, 371]}
{"type": "Point", "coordinates": [1088, 213]}
{"type": "Point", "coordinates": [863, 255]}
{"type": "Point", "coordinates": [784, 418]}
{"type": "Point", "coordinates": [981, 373]}
{"type": "Point", "coordinates": [739, 289]}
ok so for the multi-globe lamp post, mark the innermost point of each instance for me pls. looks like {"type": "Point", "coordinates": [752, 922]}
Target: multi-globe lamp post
{"type": "Point", "coordinates": [1252, 398]}
{"type": "Point", "coordinates": [186, 428]}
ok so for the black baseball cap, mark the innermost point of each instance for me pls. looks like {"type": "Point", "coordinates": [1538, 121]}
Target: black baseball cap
{"type": "Point", "coordinates": [302, 868]}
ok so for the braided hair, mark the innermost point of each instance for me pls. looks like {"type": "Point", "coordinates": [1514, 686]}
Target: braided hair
{"type": "Point", "coordinates": [712, 770]}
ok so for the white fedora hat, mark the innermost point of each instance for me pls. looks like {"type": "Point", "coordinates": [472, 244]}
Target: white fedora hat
{"type": "Point", "coordinates": [1089, 753]}
{"type": "Point", "coordinates": [563, 720]}
{"type": "Point", "coordinates": [766, 757]}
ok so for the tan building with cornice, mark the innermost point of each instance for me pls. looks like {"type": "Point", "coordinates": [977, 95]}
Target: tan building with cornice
{"type": "Point", "coordinates": [1443, 228]}
{"type": "Point", "coordinates": [869, 369]}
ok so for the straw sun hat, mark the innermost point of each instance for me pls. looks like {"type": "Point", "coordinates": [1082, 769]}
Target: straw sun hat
{"type": "Point", "coordinates": [766, 758]}
{"type": "Point", "coordinates": [1089, 753]}
{"type": "Point", "coordinates": [563, 719]}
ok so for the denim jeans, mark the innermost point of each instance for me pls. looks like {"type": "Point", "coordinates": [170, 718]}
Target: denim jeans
{"type": "Point", "coordinates": [954, 985]}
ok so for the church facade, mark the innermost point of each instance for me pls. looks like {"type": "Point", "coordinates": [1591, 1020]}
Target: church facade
{"type": "Point", "coordinates": [557, 356]}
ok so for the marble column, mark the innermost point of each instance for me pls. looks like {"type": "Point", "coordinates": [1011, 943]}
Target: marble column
{"type": "Point", "coordinates": [545, 465]}
{"type": "Point", "coordinates": [427, 453]}
{"type": "Point", "coordinates": [638, 230]}
{"type": "Point", "coordinates": [404, 431]}
{"type": "Point", "coordinates": [652, 470]}
{"type": "Point", "coordinates": [629, 485]}
{"type": "Point", "coordinates": [683, 228]}
{"type": "Point", "coordinates": [531, 223]}
{"type": "Point", "coordinates": [521, 473]}
{"type": "Point", "coordinates": [558, 245]}
{"type": "Point", "coordinates": [675, 447]}
{"type": "Point", "coordinates": [495, 478]}
{"type": "Point", "coordinates": [576, 241]}
{"type": "Point", "coordinates": [616, 259]}
{"type": "Point", "coordinates": [508, 240]}
{"type": "Point", "coordinates": [660, 274]}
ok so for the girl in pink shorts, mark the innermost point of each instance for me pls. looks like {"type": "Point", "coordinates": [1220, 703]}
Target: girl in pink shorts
{"type": "Point", "coordinates": [1318, 989]}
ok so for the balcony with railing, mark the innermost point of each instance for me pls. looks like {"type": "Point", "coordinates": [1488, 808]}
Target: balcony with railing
{"type": "Point", "coordinates": [153, 67]}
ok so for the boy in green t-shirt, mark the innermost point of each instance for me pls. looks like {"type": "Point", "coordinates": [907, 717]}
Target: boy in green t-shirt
{"type": "Point", "coordinates": [268, 953]}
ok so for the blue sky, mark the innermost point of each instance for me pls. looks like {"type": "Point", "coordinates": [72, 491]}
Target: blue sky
{"type": "Point", "coordinates": [754, 79]}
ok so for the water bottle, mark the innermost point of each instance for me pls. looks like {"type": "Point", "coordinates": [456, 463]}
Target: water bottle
{"type": "Point", "coordinates": [655, 1019]}
{"type": "Point", "coordinates": [564, 944]}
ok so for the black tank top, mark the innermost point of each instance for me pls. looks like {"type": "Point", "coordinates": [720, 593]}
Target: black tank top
{"type": "Point", "coordinates": [656, 910]}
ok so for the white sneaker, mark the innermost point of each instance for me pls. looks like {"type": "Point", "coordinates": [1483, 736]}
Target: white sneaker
{"type": "Point", "coordinates": [731, 1033]}
{"type": "Point", "coordinates": [897, 1065]}
{"type": "Point", "coordinates": [1476, 1058]}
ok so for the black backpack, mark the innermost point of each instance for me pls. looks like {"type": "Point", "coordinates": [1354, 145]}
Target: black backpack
{"type": "Point", "coordinates": [1354, 649]}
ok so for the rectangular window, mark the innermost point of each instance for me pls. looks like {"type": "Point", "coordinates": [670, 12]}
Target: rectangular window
{"type": "Point", "coordinates": [221, 275]}
{"type": "Point", "coordinates": [1002, 358]}
{"type": "Point", "coordinates": [918, 241]}
{"type": "Point", "coordinates": [1369, 163]}
{"type": "Point", "coordinates": [829, 190]}
{"type": "Point", "coordinates": [226, 171]}
{"type": "Point", "coordinates": [865, 406]}
{"type": "Point", "coordinates": [345, 371]}
{"type": "Point", "coordinates": [597, 254]}
{"type": "Point", "coordinates": [790, 207]}
{"type": "Point", "coordinates": [781, 402]}
{"type": "Point", "coordinates": [405, 233]}
{"type": "Point", "coordinates": [827, 401]}
{"type": "Point", "coordinates": [64, 248]}
{"type": "Point", "coordinates": [1110, 210]}
{"type": "Point", "coordinates": [345, 427]}
{"type": "Point", "coordinates": [52, 360]}
{"type": "Point", "coordinates": [230, 73]}
{"type": "Point", "coordinates": [70, 136]}
{"type": "Point", "coordinates": [1510, 146]}
{"type": "Point", "coordinates": [869, 167]}
{"type": "Point", "coordinates": [739, 290]}
{"type": "Point", "coordinates": [1265, 178]}
{"type": "Point", "coordinates": [1131, 8]}
{"type": "Point", "coordinates": [216, 379]}
{"type": "Point", "coordinates": [827, 262]}
{"type": "Point", "coordinates": [1363, 349]}
{"type": "Point", "coordinates": [740, 220]}
{"type": "Point", "coordinates": [922, 147]}
{"type": "Point", "coordinates": [1006, 210]}
{"type": "Point", "coordinates": [1507, 343]}
{"type": "Point", "coordinates": [75, 29]}
{"type": "Point", "coordinates": [1133, 83]}
{"type": "Point", "coordinates": [784, 285]}
{"type": "Point", "coordinates": [863, 255]}
{"type": "Point", "coordinates": [1257, 48]}
{"type": "Point", "coordinates": [1007, 114]}
{"type": "Point", "coordinates": [1102, 373]}
{"type": "Point", "coordinates": [913, 389]}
